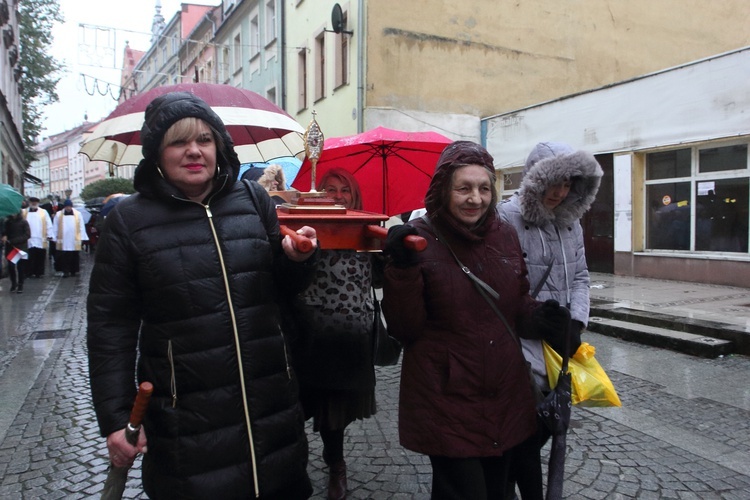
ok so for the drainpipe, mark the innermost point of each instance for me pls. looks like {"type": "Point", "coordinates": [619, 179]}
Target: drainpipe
{"type": "Point", "coordinates": [360, 66]}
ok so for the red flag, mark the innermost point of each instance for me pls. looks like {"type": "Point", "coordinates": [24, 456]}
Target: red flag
{"type": "Point", "coordinates": [15, 255]}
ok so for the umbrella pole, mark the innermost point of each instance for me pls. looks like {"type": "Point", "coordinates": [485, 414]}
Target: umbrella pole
{"type": "Point", "coordinates": [114, 485]}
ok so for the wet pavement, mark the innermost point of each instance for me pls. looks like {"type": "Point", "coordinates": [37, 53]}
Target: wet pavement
{"type": "Point", "coordinates": [683, 431]}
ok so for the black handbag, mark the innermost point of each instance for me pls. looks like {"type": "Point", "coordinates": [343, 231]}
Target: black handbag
{"type": "Point", "coordinates": [385, 349]}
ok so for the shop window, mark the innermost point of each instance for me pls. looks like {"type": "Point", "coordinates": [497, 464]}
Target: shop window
{"type": "Point", "coordinates": [721, 215]}
{"type": "Point", "coordinates": [698, 199]}
{"type": "Point", "coordinates": [722, 159]}
{"type": "Point", "coordinates": [508, 182]}
{"type": "Point", "coordinates": [668, 164]}
{"type": "Point", "coordinates": [668, 216]}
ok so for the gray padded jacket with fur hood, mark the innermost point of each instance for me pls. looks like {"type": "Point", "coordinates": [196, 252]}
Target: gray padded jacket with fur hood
{"type": "Point", "coordinates": [554, 236]}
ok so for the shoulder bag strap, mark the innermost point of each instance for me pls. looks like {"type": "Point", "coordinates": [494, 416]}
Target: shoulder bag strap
{"type": "Point", "coordinates": [488, 293]}
{"type": "Point", "coordinates": [538, 287]}
{"type": "Point", "coordinates": [255, 201]}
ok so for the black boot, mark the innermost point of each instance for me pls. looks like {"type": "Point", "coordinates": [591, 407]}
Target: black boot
{"type": "Point", "coordinates": [20, 288]}
{"type": "Point", "coordinates": [13, 287]}
{"type": "Point", "coordinates": [333, 456]}
{"type": "Point", "coordinates": [337, 481]}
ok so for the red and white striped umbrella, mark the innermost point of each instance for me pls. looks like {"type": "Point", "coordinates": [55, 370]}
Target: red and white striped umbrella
{"type": "Point", "coordinates": [261, 130]}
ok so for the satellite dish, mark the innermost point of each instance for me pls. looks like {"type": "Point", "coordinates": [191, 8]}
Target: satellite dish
{"type": "Point", "coordinates": [337, 19]}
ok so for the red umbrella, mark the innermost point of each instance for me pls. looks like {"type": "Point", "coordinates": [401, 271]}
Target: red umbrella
{"type": "Point", "coordinates": [261, 130]}
{"type": "Point", "coordinates": [393, 168]}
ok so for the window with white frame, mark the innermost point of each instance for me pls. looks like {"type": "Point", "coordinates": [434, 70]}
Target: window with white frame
{"type": "Point", "coordinates": [254, 36]}
{"type": "Point", "coordinates": [508, 182]}
{"type": "Point", "coordinates": [270, 23]}
{"type": "Point", "coordinates": [271, 95]}
{"type": "Point", "coordinates": [225, 72]}
{"type": "Point", "coordinates": [237, 59]}
{"type": "Point", "coordinates": [320, 66]}
{"type": "Point", "coordinates": [341, 56]}
{"type": "Point", "coordinates": [302, 79]}
{"type": "Point", "coordinates": [698, 199]}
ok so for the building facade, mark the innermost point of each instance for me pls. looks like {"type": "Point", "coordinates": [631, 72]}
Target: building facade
{"type": "Point", "coordinates": [160, 64]}
{"type": "Point", "coordinates": [427, 65]}
{"type": "Point", "coordinates": [197, 52]}
{"type": "Point", "coordinates": [250, 47]}
{"type": "Point", "coordinates": [12, 167]}
{"type": "Point", "coordinates": [40, 169]}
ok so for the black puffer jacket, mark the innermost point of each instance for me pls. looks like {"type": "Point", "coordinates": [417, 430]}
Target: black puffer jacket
{"type": "Point", "coordinates": [195, 288]}
{"type": "Point", "coordinates": [17, 230]}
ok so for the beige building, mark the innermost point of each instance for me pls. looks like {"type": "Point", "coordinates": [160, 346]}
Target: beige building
{"type": "Point", "coordinates": [439, 65]}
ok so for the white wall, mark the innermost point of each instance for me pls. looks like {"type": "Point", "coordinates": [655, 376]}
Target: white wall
{"type": "Point", "coordinates": [699, 101]}
{"type": "Point", "coordinates": [453, 126]}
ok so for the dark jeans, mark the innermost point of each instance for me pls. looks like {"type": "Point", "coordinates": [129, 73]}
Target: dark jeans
{"type": "Point", "coordinates": [17, 272]}
{"type": "Point", "coordinates": [469, 478]}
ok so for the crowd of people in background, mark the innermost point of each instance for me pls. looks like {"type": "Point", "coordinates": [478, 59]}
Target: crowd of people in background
{"type": "Point", "coordinates": [51, 231]}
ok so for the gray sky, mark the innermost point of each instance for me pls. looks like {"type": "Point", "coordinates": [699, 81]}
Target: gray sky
{"type": "Point", "coordinates": [97, 53]}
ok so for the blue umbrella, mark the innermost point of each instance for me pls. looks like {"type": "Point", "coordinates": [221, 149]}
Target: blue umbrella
{"type": "Point", "coordinates": [289, 165]}
{"type": "Point", "coordinates": [110, 204]}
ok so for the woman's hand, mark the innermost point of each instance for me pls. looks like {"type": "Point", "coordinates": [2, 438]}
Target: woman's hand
{"type": "Point", "coordinates": [290, 249]}
{"type": "Point", "coordinates": [122, 453]}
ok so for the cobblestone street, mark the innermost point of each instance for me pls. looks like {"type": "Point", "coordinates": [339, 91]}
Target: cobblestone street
{"type": "Point", "coordinates": [682, 432]}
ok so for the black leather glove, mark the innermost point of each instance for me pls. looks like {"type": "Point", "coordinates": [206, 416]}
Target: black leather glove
{"type": "Point", "coordinates": [551, 322]}
{"type": "Point", "coordinates": [397, 253]}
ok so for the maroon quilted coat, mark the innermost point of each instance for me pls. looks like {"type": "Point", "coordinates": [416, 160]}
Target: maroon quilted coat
{"type": "Point", "coordinates": [465, 390]}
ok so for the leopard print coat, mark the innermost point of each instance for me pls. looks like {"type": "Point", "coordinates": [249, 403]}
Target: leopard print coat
{"type": "Point", "coordinates": [334, 318]}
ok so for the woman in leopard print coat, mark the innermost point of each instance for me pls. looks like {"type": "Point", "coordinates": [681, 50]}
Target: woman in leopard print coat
{"type": "Point", "coordinates": [334, 318]}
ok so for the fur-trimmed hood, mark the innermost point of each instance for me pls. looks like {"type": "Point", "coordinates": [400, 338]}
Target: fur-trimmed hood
{"type": "Point", "coordinates": [552, 163]}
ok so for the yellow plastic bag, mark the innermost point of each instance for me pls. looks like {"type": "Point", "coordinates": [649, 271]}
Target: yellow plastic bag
{"type": "Point", "coordinates": [589, 382]}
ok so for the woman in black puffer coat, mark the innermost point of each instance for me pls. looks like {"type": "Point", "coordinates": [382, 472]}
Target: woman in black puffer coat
{"type": "Point", "coordinates": [185, 293]}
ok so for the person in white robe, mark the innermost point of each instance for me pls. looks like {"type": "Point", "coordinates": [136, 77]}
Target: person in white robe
{"type": "Point", "coordinates": [40, 224]}
{"type": "Point", "coordinates": [68, 232]}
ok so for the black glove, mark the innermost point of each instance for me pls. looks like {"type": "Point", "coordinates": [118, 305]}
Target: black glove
{"type": "Point", "coordinates": [551, 322]}
{"type": "Point", "coordinates": [397, 253]}
{"type": "Point", "coordinates": [558, 342]}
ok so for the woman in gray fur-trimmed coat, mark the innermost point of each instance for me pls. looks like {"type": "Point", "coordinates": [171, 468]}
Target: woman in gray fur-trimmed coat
{"type": "Point", "coordinates": [559, 185]}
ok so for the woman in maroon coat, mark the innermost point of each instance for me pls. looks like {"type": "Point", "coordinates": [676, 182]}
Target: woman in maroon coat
{"type": "Point", "coordinates": [466, 398]}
